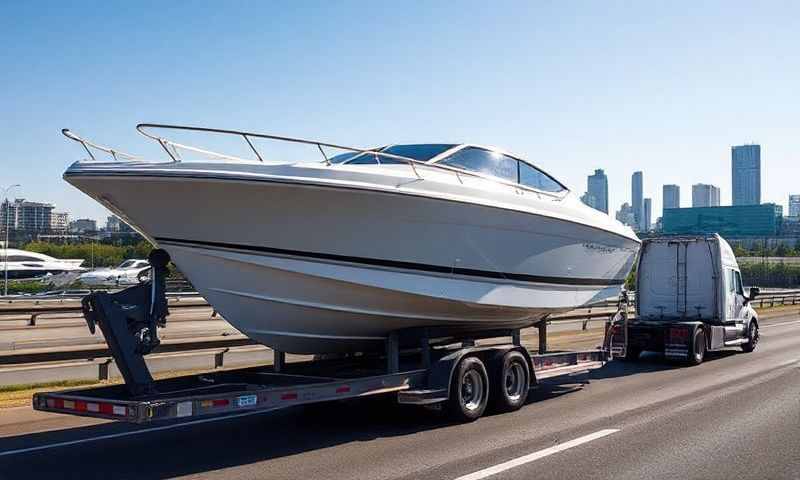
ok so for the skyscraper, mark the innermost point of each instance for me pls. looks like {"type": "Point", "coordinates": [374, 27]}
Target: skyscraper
{"type": "Point", "coordinates": [597, 187]}
{"type": "Point", "coordinates": [648, 211]}
{"type": "Point", "coordinates": [637, 198]}
{"type": "Point", "coordinates": [794, 205]}
{"type": "Point", "coordinates": [746, 174]}
{"type": "Point", "coordinates": [672, 196]}
{"type": "Point", "coordinates": [705, 195]}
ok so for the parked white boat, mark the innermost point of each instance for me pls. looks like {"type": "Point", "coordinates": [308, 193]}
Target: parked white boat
{"type": "Point", "coordinates": [126, 273]}
{"type": "Point", "coordinates": [25, 265]}
{"type": "Point", "coordinates": [332, 256]}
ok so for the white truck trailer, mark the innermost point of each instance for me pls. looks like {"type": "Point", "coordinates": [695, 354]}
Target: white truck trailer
{"type": "Point", "coordinates": [689, 300]}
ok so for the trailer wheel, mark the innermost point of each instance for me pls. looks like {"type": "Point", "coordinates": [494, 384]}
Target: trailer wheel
{"type": "Point", "coordinates": [752, 338]}
{"type": "Point", "coordinates": [510, 381]}
{"type": "Point", "coordinates": [698, 352]}
{"type": "Point", "coordinates": [469, 390]}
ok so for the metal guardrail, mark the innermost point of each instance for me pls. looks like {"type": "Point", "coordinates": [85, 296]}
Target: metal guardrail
{"type": "Point", "coordinates": [90, 352]}
{"type": "Point", "coordinates": [36, 311]}
{"type": "Point", "coordinates": [788, 297]}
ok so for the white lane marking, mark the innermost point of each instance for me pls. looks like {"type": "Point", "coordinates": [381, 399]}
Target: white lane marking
{"type": "Point", "coordinates": [502, 467]}
{"type": "Point", "coordinates": [127, 434]}
{"type": "Point", "coordinates": [781, 323]}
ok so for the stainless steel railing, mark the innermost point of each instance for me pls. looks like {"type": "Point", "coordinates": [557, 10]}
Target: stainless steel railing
{"type": "Point", "coordinates": [172, 148]}
{"type": "Point", "coordinates": [89, 146]}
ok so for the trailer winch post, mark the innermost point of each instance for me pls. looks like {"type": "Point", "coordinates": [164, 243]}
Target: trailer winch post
{"type": "Point", "coordinates": [129, 320]}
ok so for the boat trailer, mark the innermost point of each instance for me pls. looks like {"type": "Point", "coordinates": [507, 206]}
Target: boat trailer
{"type": "Point", "coordinates": [443, 370]}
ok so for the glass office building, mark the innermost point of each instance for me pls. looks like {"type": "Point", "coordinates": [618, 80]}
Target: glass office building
{"type": "Point", "coordinates": [734, 221]}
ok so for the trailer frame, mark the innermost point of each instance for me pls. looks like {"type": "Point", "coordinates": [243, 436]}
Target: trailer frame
{"type": "Point", "coordinates": [417, 364]}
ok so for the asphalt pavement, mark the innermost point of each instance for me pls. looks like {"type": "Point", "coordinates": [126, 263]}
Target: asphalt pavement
{"type": "Point", "coordinates": [735, 416]}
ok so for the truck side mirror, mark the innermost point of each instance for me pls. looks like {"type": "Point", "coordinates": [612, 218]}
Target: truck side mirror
{"type": "Point", "coordinates": [754, 292]}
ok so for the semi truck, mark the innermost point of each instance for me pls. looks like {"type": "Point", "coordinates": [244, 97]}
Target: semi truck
{"type": "Point", "coordinates": [690, 300]}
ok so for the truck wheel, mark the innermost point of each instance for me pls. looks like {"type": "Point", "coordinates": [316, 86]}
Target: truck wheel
{"type": "Point", "coordinates": [510, 382]}
{"type": "Point", "coordinates": [469, 390]}
{"type": "Point", "coordinates": [752, 338]}
{"type": "Point", "coordinates": [698, 352]}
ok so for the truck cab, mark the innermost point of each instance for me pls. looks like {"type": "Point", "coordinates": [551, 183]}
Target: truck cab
{"type": "Point", "coordinates": [690, 299]}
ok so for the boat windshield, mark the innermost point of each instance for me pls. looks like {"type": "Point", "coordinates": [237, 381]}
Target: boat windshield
{"type": "Point", "coordinates": [421, 152]}
{"type": "Point", "coordinates": [503, 167]}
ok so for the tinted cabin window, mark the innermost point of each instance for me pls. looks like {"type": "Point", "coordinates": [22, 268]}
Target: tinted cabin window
{"type": "Point", "coordinates": [343, 157]}
{"type": "Point", "coordinates": [534, 178]}
{"type": "Point", "coordinates": [20, 258]}
{"type": "Point", "coordinates": [739, 287]}
{"type": "Point", "coordinates": [484, 161]}
{"type": "Point", "coordinates": [365, 159]}
{"type": "Point", "coordinates": [422, 152]}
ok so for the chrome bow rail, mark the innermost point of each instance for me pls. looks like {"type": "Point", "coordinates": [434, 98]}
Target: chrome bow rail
{"type": "Point", "coordinates": [172, 148]}
{"type": "Point", "coordinates": [89, 146]}
{"type": "Point", "coordinates": [248, 136]}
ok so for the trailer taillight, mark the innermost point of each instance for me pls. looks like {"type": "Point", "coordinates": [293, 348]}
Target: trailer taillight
{"type": "Point", "coordinates": [678, 334]}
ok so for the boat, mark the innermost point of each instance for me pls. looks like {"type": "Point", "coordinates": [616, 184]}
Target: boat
{"type": "Point", "coordinates": [129, 272]}
{"type": "Point", "coordinates": [23, 265]}
{"type": "Point", "coordinates": [336, 255]}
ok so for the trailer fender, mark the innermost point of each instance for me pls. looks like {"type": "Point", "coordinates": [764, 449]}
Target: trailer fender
{"type": "Point", "coordinates": [442, 371]}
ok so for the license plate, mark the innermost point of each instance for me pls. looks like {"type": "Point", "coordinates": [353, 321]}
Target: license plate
{"type": "Point", "coordinates": [247, 400]}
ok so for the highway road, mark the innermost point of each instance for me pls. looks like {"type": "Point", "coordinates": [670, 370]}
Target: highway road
{"type": "Point", "coordinates": [735, 416]}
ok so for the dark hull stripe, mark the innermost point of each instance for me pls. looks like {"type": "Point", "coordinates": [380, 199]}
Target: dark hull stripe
{"type": "Point", "coordinates": [378, 262]}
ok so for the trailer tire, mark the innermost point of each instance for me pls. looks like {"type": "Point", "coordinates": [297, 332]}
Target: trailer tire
{"type": "Point", "coordinates": [752, 338]}
{"type": "Point", "coordinates": [510, 381]}
{"type": "Point", "coordinates": [698, 352]}
{"type": "Point", "coordinates": [469, 390]}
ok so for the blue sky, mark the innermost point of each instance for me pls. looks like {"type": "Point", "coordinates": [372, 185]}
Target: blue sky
{"type": "Point", "coordinates": [665, 87]}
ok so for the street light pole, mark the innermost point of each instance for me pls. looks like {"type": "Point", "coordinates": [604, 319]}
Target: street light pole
{"type": "Point", "coordinates": [5, 249]}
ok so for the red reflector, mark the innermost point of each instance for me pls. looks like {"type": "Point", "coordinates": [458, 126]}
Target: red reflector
{"type": "Point", "coordinates": [343, 389]}
{"type": "Point", "coordinates": [106, 408]}
{"type": "Point", "coordinates": [58, 403]}
{"type": "Point", "coordinates": [220, 403]}
{"type": "Point", "coordinates": [80, 406]}
{"type": "Point", "coordinates": [289, 396]}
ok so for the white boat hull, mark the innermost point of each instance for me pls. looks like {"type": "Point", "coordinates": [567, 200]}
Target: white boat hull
{"type": "Point", "coordinates": [310, 268]}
